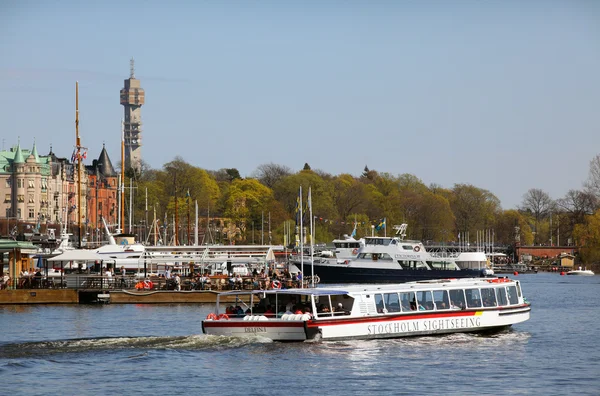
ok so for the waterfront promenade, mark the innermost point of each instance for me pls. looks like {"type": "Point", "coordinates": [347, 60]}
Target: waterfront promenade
{"type": "Point", "coordinates": [82, 289]}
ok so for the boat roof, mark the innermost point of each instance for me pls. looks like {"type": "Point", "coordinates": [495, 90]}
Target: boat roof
{"type": "Point", "coordinates": [374, 288]}
{"type": "Point", "coordinates": [307, 291]}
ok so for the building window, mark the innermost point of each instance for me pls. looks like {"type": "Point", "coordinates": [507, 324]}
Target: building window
{"type": "Point", "coordinates": [7, 198]}
{"type": "Point", "coordinates": [31, 213]}
{"type": "Point", "coordinates": [7, 212]}
{"type": "Point", "coordinates": [8, 183]}
{"type": "Point", "coordinates": [19, 183]}
{"type": "Point", "coordinates": [31, 198]}
{"type": "Point", "coordinates": [18, 213]}
{"type": "Point", "coordinates": [21, 198]}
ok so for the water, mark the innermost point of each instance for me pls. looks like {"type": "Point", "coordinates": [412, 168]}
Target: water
{"type": "Point", "coordinates": [127, 349]}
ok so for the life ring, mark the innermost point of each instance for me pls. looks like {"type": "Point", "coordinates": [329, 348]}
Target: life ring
{"type": "Point", "coordinates": [223, 316]}
{"type": "Point", "coordinates": [355, 251]}
{"type": "Point", "coordinates": [211, 316]}
{"type": "Point", "coordinates": [276, 284]}
{"type": "Point", "coordinates": [416, 249]}
{"type": "Point", "coordinates": [148, 285]}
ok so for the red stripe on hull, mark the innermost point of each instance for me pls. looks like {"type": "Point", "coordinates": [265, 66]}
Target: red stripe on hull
{"type": "Point", "coordinates": [246, 323]}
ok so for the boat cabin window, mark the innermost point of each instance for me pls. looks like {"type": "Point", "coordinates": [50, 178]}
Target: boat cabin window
{"type": "Point", "coordinates": [408, 264]}
{"type": "Point", "coordinates": [425, 299]}
{"type": "Point", "coordinates": [407, 247]}
{"type": "Point", "coordinates": [347, 245]}
{"type": "Point", "coordinates": [457, 299]}
{"type": "Point", "coordinates": [392, 302]}
{"type": "Point", "coordinates": [379, 303]}
{"type": "Point", "coordinates": [512, 295]}
{"type": "Point", "coordinates": [501, 295]}
{"type": "Point", "coordinates": [408, 301]}
{"type": "Point", "coordinates": [473, 298]}
{"type": "Point", "coordinates": [377, 241]}
{"type": "Point", "coordinates": [375, 256]}
{"type": "Point", "coordinates": [488, 296]}
{"type": "Point", "coordinates": [440, 297]}
{"type": "Point", "coordinates": [518, 289]}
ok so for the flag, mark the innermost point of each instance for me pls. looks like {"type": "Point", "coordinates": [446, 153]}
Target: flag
{"type": "Point", "coordinates": [74, 155]}
{"type": "Point", "coordinates": [297, 211]}
{"type": "Point", "coordinates": [380, 225]}
{"type": "Point", "coordinates": [353, 231]}
{"type": "Point", "coordinates": [84, 156]}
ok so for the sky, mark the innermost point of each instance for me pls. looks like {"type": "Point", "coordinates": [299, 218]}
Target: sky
{"type": "Point", "coordinates": [503, 95]}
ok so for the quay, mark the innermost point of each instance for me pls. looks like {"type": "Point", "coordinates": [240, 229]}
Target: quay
{"type": "Point", "coordinates": [88, 296]}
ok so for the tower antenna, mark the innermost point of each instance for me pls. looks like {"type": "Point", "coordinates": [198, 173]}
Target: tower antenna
{"type": "Point", "coordinates": [132, 68]}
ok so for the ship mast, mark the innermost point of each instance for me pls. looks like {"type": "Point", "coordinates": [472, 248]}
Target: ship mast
{"type": "Point", "coordinates": [77, 150]}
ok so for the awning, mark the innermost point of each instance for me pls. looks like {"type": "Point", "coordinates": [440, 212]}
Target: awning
{"type": "Point", "coordinates": [77, 255]}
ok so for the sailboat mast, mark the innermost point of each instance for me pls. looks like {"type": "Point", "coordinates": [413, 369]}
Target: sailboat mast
{"type": "Point", "coordinates": [77, 148]}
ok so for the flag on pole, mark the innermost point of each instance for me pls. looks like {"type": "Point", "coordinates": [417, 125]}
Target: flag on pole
{"type": "Point", "coordinates": [380, 225]}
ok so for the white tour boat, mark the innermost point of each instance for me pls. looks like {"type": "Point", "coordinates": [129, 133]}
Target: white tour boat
{"type": "Point", "coordinates": [581, 272]}
{"type": "Point", "coordinates": [396, 259]}
{"type": "Point", "coordinates": [372, 311]}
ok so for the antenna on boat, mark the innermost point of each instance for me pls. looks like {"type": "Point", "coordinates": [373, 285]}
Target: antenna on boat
{"type": "Point", "coordinates": [401, 230]}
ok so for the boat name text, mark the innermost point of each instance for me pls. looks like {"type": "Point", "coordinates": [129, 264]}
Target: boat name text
{"type": "Point", "coordinates": [424, 325]}
{"type": "Point", "coordinates": [255, 329]}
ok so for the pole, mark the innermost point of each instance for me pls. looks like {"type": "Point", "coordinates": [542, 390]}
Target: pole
{"type": "Point", "coordinates": [130, 205]}
{"type": "Point", "coordinates": [312, 257]}
{"type": "Point", "coordinates": [301, 243]}
{"type": "Point", "coordinates": [77, 148]}
{"type": "Point", "coordinates": [196, 226]}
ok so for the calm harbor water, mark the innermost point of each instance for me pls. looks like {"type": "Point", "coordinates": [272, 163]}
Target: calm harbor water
{"type": "Point", "coordinates": [127, 349]}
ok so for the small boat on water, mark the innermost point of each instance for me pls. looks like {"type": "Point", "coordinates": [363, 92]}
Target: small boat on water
{"type": "Point", "coordinates": [581, 272]}
{"type": "Point", "coordinates": [372, 311]}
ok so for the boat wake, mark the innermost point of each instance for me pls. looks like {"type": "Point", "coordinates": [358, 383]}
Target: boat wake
{"type": "Point", "coordinates": [138, 345]}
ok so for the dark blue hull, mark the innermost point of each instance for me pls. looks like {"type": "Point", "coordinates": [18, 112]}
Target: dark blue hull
{"type": "Point", "coordinates": [346, 274]}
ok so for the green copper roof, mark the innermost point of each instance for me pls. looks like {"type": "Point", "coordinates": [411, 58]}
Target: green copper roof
{"type": "Point", "coordinates": [35, 153]}
{"type": "Point", "coordinates": [18, 155]}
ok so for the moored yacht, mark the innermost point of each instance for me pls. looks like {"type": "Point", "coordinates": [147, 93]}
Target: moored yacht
{"type": "Point", "coordinates": [581, 272]}
{"type": "Point", "coordinates": [395, 259]}
{"type": "Point", "coordinates": [373, 311]}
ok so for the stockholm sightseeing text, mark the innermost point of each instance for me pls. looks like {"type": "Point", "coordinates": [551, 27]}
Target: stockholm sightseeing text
{"type": "Point", "coordinates": [424, 325]}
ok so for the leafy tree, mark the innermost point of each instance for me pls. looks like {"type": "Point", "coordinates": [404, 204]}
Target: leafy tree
{"type": "Point", "coordinates": [306, 166]}
{"type": "Point", "coordinates": [348, 194]}
{"type": "Point", "coordinates": [587, 237]}
{"type": "Point", "coordinates": [474, 208]}
{"type": "Point", "coordinates": [247, 199]}
{"type": "Point", "coordinates": [512, 227]}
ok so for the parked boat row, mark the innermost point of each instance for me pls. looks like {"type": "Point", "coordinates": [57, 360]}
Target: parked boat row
{"type": "Point", "coordinates": [373, 311]}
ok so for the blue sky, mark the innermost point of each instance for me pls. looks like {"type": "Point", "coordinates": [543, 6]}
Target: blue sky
{"type": "Point", "coordinates": [504, 95]}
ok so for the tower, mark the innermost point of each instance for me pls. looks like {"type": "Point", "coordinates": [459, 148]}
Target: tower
{"type": "Point", "coordinates": [132, 99]}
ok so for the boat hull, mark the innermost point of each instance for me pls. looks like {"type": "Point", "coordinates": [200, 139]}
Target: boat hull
{"type": "Point", "coordinates": [373, 326]}
{"type": "Point", "coordinates": [340, 273]}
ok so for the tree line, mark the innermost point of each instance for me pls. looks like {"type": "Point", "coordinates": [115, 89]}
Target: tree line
{"type": "Point", "coordinates": [238, 207]}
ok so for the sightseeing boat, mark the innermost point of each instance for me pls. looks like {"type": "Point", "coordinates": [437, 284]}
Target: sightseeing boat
{"type": "Point", "coordinates": [396, 259]}
{"type": "Point", "coordinates": [372, 311]}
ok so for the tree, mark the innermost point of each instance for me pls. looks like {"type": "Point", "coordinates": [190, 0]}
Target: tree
{"type": "Point", "coordinates": [506, 231]}
{"type": "Point", "coordinates": [269, 174]}
{"type": "Point", "coordinates": [306, 166]}
{"type": "Point", "coordinates": [593, 182]}
{"type": "Point", "coordinates": [474, 208]}
{"type": "Point", "coordinates": [539, 204]}
{"type": "Point", "coordinates": [577, 204]}
{"type": "Point", "coordinates": [587, 237]}
{"type": "Point", "coordinates": [348, 194]}
{"type": "Point", "coordinates": [246, 200]}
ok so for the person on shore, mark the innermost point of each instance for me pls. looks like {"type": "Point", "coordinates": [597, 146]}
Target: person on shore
{"type": "Point", "coordinates": [177, 282]}
{"type": "Point", "coordinates": [123, 273]}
